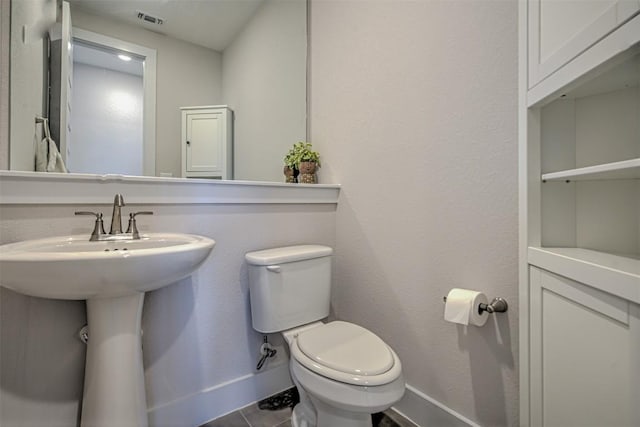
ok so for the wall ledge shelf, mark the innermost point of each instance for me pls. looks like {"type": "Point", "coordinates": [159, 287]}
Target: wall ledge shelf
{"type": "Point", "coordinates": [39, 188]}
{"type": "Point", "coordinates": [626, 169]}
{"type": "Point", "coordinates": [615, 274]}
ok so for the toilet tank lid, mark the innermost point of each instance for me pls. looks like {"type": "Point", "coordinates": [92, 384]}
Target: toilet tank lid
{"type": "Point", "coordinates": [287, 254]}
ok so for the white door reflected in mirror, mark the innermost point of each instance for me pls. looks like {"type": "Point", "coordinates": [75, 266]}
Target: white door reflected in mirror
{"type": "Point", "coordinates": [107, 114]}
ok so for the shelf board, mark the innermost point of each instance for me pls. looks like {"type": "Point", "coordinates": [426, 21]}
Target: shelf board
{"type": "Point", "coordinates": [626, 169]}
{"type": "Point", "coordinates": [37, 188]}
{"type": "Point", "coordinates": [615, 274]}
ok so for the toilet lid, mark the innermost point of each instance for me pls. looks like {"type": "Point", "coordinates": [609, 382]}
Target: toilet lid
{"type": "Point", "coordinates": [348, 348]}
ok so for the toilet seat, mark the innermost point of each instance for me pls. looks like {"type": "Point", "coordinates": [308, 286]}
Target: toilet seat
{"type": "Point", "coordinates": [347, 353]}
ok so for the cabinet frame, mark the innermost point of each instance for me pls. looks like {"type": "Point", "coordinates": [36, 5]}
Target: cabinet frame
{"type": "Point", "coordinates": [617, 314]}
{"type": "Point", "coordinates": [614, 47]}
{"type": "Point", "coordinates": [540, 68]}
{"type": "Point", "coordinates": [223, 139]}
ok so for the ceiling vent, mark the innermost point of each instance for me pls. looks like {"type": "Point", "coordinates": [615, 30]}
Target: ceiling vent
{"type": "Point", "coordinates": [150, 19]}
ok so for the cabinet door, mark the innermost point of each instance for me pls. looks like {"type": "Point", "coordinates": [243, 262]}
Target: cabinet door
{"type": "Point", "coordinates": [204, 142]}
{"type": "Point", "coordinates": [585, 355]}
{"type": "Point", "coordinates": [559, 30]}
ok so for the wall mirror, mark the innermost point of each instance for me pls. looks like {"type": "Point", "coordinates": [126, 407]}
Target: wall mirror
{"type": "Point", "coordinates": [250, 55]}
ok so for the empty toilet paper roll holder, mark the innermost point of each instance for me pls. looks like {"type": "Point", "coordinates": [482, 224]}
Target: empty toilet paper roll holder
{"type": "Point", "coordinates": [497, 305]}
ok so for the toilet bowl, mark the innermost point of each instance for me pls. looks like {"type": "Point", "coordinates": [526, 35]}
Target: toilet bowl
{"type": "Point", "coordinates": [343, 372]}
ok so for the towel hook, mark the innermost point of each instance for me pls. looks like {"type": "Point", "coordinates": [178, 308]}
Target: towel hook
{"type": "Point", "coordinates": [45, 126]}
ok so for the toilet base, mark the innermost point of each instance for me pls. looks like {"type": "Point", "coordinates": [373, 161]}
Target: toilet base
{"type": "Point", "coordinates": [330, 416]}
{"type": "Point", "coordinates": [330, 419]}
{"type": "Point", "coordinates": [297, 419]}
{"type": "Point", "coordinates": [327, 403]}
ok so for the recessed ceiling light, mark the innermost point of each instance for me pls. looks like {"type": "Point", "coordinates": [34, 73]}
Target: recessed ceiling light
{"type": "Point", "coordinates": [124, 57]}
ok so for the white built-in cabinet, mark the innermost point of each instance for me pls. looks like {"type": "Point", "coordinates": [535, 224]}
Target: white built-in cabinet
{"type": "Point", "coordinates": [585, 348]}
{"type": "Point", "coordinates": [560, 30]}
{"type": "Point", "coordinates": [207, 142]}
{"type": "Point", "coordinates": [579, 121]}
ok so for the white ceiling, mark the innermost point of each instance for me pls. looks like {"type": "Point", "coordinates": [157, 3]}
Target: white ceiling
{"type": "Point", "coordinates": [108, 59]}
{"type": "Point", "coordinates": [209, 23]}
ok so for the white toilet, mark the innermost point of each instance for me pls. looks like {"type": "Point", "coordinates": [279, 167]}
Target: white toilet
{"type": "Point", "coordinates": [343, 372]}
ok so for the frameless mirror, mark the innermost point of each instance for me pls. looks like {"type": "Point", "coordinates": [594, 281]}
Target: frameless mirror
{"type": "Point", "coordinates": [250, 55]}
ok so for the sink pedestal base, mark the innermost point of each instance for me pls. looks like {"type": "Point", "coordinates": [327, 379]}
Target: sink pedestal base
{"type": "Point", "coordinates": [114, 391]}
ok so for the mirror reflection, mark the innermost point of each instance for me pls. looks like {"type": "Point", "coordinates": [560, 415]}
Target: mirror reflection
{"type": "Point", "coordinates": [248, 55]}
{"type": "Point", "coordinates": [107, 104]}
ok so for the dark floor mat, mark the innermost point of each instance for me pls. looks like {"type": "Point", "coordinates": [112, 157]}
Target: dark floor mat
{"type": "Point", "coordinates": [382, 420]}
{"type": "Point", "coordinates": [289, 398]}
{"type": "Point", "coordinates": [286, 399]}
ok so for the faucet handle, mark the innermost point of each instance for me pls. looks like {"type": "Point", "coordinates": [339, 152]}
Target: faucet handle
{"type": "Point", "coordinates": [98, 228]}
{"type": "Point", "coordinates": [132, 228]}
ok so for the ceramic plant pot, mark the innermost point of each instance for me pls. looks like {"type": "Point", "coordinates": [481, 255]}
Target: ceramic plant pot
{"type": "Point", "coordinates": [307, 172]}
{"type": "Point", "coordinates": [290, 174]}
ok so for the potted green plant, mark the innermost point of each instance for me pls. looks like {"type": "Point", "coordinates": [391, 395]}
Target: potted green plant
{"type": "Point", "coordinates": [291, 166]}
{"type": "Point", "coordinates": [307, 162]}
{"type": "Point", "coordinates": [301, 162]}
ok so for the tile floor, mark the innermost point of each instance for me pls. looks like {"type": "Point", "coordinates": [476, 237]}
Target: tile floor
{"type": "Point", "coordinates": [253, 416]}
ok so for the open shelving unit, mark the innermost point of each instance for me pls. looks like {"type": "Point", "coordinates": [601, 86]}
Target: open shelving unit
{"type": "Point", "coordinates": [626, 169]}
{"type": "Point", "coordinates": [589, 172]}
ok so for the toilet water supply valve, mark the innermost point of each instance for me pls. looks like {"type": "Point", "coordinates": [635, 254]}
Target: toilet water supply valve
{"type": "Point", "coordinates": [266, 351]}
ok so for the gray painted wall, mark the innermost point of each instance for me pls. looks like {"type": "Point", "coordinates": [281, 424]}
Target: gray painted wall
{"type": "Point", "coordinates": [264, 82]}
{"type": "Point", "coordinates": [413, 108]}
{"type": "Point", "coordinates": [30, 24]}
{"type": "Point", "coordinates": [106, 121]}
{"type": "Point", "coordinates": [5, 35]}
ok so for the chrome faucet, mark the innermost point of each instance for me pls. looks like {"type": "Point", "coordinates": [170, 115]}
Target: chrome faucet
{"type": "Point", "coordinates": [116, 218]}
{"type": "Point", "coordinates": [98, 228]}
{"type": "Point", "coordinates": [115, 233]}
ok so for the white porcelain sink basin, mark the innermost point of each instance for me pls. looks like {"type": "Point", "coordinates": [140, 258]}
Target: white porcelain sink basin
{"type": "Point", "coordinates": [71, 267]}
{"type": "Point", "coordinates": [113, 277]}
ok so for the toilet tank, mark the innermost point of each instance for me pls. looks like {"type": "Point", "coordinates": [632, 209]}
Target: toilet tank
{"type": "Point", "coordinates": [289, 286]}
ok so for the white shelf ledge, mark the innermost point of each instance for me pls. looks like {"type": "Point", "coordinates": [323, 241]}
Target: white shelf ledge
{"type": "Point", "coordinates": [55, 188]}
{"type": "Point", "coordinates": [615, 274]}
{"type": "Point", "coordinates": [626, 169]}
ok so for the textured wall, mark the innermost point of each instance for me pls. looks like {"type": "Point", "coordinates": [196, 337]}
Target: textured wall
{"type": "Point", "coordinates": [264, 82]}
{"type": "Point", "coordinates": [197, 332]}
{"type": "Point", "coordinates": [5, 34]}
{"type": "Point", "coordinates": [30, 23]}
{"type": "Point", "coordinates": [106, 121]}
{"type": "Point", "coordinates": [413, 108]}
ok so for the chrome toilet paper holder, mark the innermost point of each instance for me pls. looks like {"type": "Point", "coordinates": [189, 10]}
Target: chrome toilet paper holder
{"type": "Point", "coordinates": [497, 305]}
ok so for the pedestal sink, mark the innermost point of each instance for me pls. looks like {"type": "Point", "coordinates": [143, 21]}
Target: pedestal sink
{"type": "Point", "coordinates": [113, 277]}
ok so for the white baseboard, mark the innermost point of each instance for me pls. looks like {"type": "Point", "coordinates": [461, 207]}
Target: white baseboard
{"type": "Point", "coordinates": [214, 402]}
{"type": "Point", "coordinates": [426, 411]}
{"type": "Point", "coordinates": [205, 405]}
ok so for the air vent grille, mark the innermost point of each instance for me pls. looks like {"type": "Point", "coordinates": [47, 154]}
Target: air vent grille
{"type": "Point", "coordinates": [145, 17]}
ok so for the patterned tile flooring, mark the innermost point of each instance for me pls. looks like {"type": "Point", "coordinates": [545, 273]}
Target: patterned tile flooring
{"type": "Point", "coordinates": [253, 416]}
